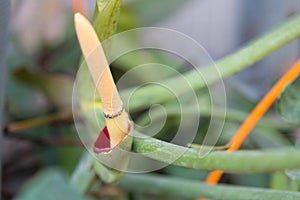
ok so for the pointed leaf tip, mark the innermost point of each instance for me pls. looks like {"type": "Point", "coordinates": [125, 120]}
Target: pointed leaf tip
{"type": "Point", "coordinates": [78, 17]}
{"type": "Point", "coordinates": [86, 34]}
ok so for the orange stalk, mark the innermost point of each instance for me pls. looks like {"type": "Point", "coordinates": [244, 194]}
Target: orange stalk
{"type": "Point", "coordinates": [117, 126]}
{"type": "Point", "coordinates": [244, 130]}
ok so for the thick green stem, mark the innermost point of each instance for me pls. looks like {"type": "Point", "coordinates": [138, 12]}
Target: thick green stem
{"type": "Point", "coordinates": [236, 62]}
{"type": "Point", "coordinates": [187, 188]}
{"type": "Point", "coordinates": [235, 162]}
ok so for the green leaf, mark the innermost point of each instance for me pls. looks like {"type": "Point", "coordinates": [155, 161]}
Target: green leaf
{"type": "Point", "coordinates": [56, 87]}
{"type": "Point", "coordinates": [128, 19]}
{"type": "Point", "coordinates": [48, 185]}
{"type": "Point", "coordinates": [83, 174]}
{"type": "Point", "coordinates": [288, 104]}
{"type": "Point", "coordinates": [106, 17]}
{"type": "Point", "coordinates": [16, 108]}
{"type": "Point", "coordinates": [106, 174]}
{"type": "Point", "coordinates": [69, 156]}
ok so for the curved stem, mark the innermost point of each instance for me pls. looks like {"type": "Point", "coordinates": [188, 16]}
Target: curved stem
{"type": "Point", "coordinates": [233, 162]}
{"type": "Point", "coordinates": [188, 188]}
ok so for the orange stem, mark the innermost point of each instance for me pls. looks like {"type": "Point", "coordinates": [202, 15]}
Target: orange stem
{"type": "Point", "coordinates": [244, 130]}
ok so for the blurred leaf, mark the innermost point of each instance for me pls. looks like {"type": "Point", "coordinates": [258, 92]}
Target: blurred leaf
{"type": "Point", "coordinates": [106, 174]}
{"type": "Point", "coordinates": [288, 104]}
{"type": "Point", "coordinates": [141, 75]}
{"type": "Point", "coordinates": [106, 17]}
{"type": "Point", "coordinates": [294, 185]}
{"type": "Point", "coordinates": [151, 12]}
{"type": "Point", "coordinates": [56, 87]}
{"type": "Point", "coordinates": [128, 19]}
{"type": "Point", "coordinates": [46, 155]}
{"type": "Point", "coordinates": [186, 173]}
{"type": "Point", "coordinates": [239, 101]}
{"type": "Point", "coordinates": [279, 181]}
{"type": "Point", "coordinates": [83, 174]}
{"type": "Point", "coordinates": [69, 155]}
{"type": "Point", "coordinates": [64, 58]}
{"type": "Point", "coordinates": [16, 108]}
{"type": "Point", "coordinates": [48, 185]}
{"type": "Point", "coordinates": [269, 137]}
{"type": "Point", "coordinates": [293, 174]}
{"type": "Point", "coordinates": [252, 180]}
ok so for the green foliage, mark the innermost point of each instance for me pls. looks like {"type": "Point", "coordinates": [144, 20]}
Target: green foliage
{"type": "Point", "coordinates": [56, 87]}
{"type": "Point", "coordinates": [13, 87]}
{"type": "Point", "coordinates": [69, 156]}
{"type": "Point", "coordinates": [48, 185]}
{"type": "Point", "coordinates": [149, 13]}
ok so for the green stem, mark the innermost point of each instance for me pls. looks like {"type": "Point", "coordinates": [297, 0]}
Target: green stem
{"type": "Point", "coordinates": [236, 62]}
{"type": "Point", "coordinates": [205, 111]}
{"type": "Point", "coordinates": [267, 130]}
{"type": "Point", "coordinates": [188, 188]}
{"type": "Point", "coordinates": [234, 162]}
